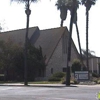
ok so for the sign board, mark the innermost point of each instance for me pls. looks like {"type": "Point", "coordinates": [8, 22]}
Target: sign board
{"type": "Point", "coordinates": [81, 75]}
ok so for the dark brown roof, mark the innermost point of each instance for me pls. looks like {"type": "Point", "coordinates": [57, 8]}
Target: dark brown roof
{"type": "Point", "coordinates": [49, 39]}
{"type": "Point", "coordinates": [18, 36]}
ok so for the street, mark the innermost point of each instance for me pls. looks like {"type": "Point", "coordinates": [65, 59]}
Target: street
{"type": "Point", "coordinates": [49, 93]}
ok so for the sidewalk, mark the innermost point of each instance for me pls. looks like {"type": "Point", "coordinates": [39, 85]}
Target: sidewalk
{"type": "Point", "coordinates": [49, 85]}
{"type": "Point", "coordinates": [35, 85]}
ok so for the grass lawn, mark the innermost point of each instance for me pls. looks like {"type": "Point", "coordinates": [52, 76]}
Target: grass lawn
{"type": "Point", "coordinates": [35, 82]}
{"type": "Point", "coordinates": [44, 82]}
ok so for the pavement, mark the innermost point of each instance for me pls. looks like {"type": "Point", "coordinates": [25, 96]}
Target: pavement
{"type": "Point", "coordinates": [20, 84]}
{"type": "Point", "coordinates": [35, 85]}
{"type": "Point", "coordinates": [18, 91]}
{"type": "Point", "coordinates": [50, 85]}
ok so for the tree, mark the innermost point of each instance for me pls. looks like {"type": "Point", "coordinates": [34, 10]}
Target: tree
{"type": "Point", "coordinates": [76, 65]}
{"type": "Point", "coordinates": [77, 30]}
{"type": "Point", "coordinates": [0, 28]}
{"type": "Point", "coordinates": [12, 61]}
{"type": "Point", "coordinates": [7, 54]}
{"type": "Point", "coordinates": [99, 68]}
{"type": "Point", "coordinates": [75, 22]}
{"type": "Point", "coordinates": [28, 12]}
{"type": "Point", "coordinates": [62, 5]}
{"type": "Point", "coordinates": [90, 54]}
{"type": "Point", "coordinates": [73, 10]}
{"type": "Point", "coordinates": [36, 62]}
{"type": "Point", "coordinates": [84, 56]}
{"type": "Point", "coordinates": [88, 4]}
{"type": "Point", "coordinates": [65, 5]}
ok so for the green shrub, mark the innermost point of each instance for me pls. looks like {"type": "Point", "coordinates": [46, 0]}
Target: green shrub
{"type": "Point", "coordinates": [95, 79]}
{"type": "Point", "coordinates": [59, 74]}
{"type": "Point", "coordinates": [76, 65]}
{"type": "Point", "coordinates": [95, 75]}
{"type": "Point", "coordinates": [76, 82]}
{"type": "Point", "coordinates": [2, 77]}
{"type": "Point", "coordinates": [54, 79]}
{"type": "Point", "coordinates": [72, 81]}
{"type": "Point", "coordinates": [98, 82]}
{"type": "Point", "coordinates": [63, 80]}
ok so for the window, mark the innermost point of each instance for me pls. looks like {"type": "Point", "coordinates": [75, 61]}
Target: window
{"type": "Point", "coordinates": [64, 69]}
{"type": "Point", "coordinates": [51, 70]}
{"type": "Point", "coordinates": [95, 71]}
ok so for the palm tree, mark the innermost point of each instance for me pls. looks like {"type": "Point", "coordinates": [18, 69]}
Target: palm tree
{"type": "Point", "coordinates": [87, 4]}
{"type": "Point", "coordinates": [65, 5]}
{"type": "Point", "coordinates": [90, 54]}
{"type": "Point", "coordinates": [73, 10]}
{"type": "Point", "coordinates": [28, 12]}
{"type": "Point", "coordinates": [62, 5]}
{"type": "Point", "coordinates": [78, 37]}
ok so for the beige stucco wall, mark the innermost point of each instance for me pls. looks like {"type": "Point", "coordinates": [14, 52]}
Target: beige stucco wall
{"type": "Point", "coordinates": [93, 64]}
{"type": "Point", "coordinates": [59, 59]}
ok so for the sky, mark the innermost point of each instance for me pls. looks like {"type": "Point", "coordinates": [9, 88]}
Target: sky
{"type": "Point", "coordinates": [45, 15]}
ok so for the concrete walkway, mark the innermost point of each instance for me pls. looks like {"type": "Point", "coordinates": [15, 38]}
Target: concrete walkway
{"type": "Point", "coordinates": [48, 85]}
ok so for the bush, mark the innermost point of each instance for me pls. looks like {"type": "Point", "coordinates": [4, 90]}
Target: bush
{"type": "Point", "coordinates": [2, 77]}
{"type": "Point", "coordinates": [72, 81]}
{"type": "Point", "coordinates": [76, 82]}
{"type": "Point", "coordinates": [95, 75]}
{"type": "Point", "coordinates": [98, 82]}
{"type": "Point", "coordinates": [63, 80]}
{"type": "Point", "coordinates": [57, 76]}
{"type": "Point", "coordinates": [54, 79]}
{"type": "Point", "coordinates": [76, 65]}
{"type": "Point", "coordinates": [95, 79]}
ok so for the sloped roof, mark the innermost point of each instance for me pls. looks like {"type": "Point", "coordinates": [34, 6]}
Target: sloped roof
{"type": "Point", "coordinates": [49, 39]}
{"type": "Point", "coordinates": [17, 36]}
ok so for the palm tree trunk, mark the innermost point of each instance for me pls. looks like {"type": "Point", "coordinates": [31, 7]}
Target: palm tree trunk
{"type": "Point", "coordinates": [27, 11]}
{"type": "Point", "coordinates": [69, 44]}
{"type": "Point", "coordinates": [61, 25]}
{"type": "Point", "coordinates": [69, 52]}
{"type": "Point", "coordinates": [87, 61]}
{"type": "Point", "coordinates": [79, 45]}
{"type": "Point", "coordinates": [87, 18]}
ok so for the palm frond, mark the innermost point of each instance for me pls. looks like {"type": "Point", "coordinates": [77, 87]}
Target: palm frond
{"type": "Point", "coordinates": [67, 3]}
{"type": "Point", "coordinates": [63, 3]}
{"type": "Point", "coordinates": [90, 2]}
{"type": "Point", "coordinates": [23, 1]}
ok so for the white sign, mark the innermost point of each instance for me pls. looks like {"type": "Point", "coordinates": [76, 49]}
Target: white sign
{"type": "Point", "coordinates": [76, 76]}
{"type": "Point", "coordinates": [81, 75]}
